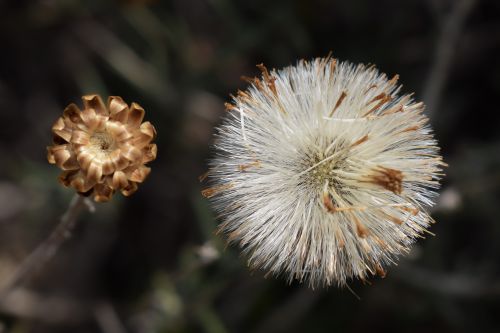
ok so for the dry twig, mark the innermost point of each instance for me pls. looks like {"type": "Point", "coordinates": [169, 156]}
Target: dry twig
{"type": "Point", "coordinates": [46, 250]}
{"type": "Point", "coordinates": [446, 44]}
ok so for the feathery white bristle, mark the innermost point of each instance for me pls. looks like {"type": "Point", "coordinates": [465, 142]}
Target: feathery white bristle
{"type": "Point", "coordinates": [322, 172]}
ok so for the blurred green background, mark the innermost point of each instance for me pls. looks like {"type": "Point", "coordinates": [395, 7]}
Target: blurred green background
{"type": "Point", "coordinates": [152, 263]}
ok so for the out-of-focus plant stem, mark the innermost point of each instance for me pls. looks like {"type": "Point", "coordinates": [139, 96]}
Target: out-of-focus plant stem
{"type": "Point", "coordinates": [46, 250]}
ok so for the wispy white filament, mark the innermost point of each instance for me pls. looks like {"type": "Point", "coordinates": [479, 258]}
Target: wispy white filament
{"type": "Point", "coordinates": [322, 172]}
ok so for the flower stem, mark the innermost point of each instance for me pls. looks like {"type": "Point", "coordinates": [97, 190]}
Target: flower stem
{"type": "Point", "coordinates": [46, 250]}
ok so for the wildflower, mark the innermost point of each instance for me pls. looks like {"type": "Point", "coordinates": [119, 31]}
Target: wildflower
{"type": "Point", "coordinates": [323, 172]}
{"type": "Point", "coordinates": [103, 148]}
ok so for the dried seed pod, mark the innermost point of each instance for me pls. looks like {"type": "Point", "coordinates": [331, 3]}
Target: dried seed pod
{"type": "Point", "coordinates": [102, 148]}
{"type": "Point", "coordinates": [323, 172]}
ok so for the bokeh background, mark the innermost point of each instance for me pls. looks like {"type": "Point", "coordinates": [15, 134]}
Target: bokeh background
{"type": "Point", "coordinates": [152, 263]}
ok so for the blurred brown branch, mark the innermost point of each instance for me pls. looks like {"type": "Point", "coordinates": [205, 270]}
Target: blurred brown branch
{"type": "Point", "coordinates": [124, 60]}
{"type": "Point", "coordinates": [46, 308]}
{"type": "Point", "coordinates": [46, 250]}
{"type": "Point", "coordinates": [446, 44]}
{"type": "Point", "coordinates": [107, 318]}
{"type": "Point", "coordinates": [450, 284]}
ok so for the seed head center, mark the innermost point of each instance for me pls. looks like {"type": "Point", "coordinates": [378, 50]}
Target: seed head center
{"type": "Point", "coordinates": [322, 162]}
{"type": "Point", "coordinates": [103, 142]}
{"type": "Point", "coordinates": [323, 172]}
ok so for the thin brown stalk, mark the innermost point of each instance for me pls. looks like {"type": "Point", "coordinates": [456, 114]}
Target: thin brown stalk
{"type": "Point", "coordinates": [46, 250]}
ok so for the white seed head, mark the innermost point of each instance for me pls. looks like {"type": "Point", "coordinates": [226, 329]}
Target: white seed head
{"type": "Point", "coordinates": [322, 171]}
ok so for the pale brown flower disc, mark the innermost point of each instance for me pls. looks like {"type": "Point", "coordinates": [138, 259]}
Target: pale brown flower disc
{"type": "Point", "coordinates": [102, 148]}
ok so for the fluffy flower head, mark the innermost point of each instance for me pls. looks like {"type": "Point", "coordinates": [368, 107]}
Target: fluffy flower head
{"type": "Point", "coordinates": [102, 148]}
{"type": "Point", "coordinates": [323, 171]}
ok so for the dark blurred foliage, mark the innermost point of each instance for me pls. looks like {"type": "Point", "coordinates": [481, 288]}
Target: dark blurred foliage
{"type": "Point", "coordinates": [152, 263]}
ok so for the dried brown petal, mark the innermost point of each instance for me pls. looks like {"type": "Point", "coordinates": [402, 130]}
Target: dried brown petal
{"type": "Point", "coordinates": [139, 174]}
{"type": "Point", "coordinates": [118, 109]}
{"type": "Point", "coordinates": [84, 158]}
{"type": "Point", "coordinates": [66, 177]}
{"type": "Point", "coordinates": [118, 160]}
{"type": "Point", "coordinates": [135, 115]}
{"type": "Point", "coordinates": [390, 179]}
{"type": "Point", "coordinates": [95, 102]}
{"type": "Point", "coordinates": [89, 118]}
{"type": "Point", "coordinates": [102, 148]}
{"type": "Point", "coordinates": [132, 154]}
{"type": "Point", "coordinates": [150, 153]}
{"type": "Point", "coordinates": [148, 129]}
{"type": "Point", "coordinates": [61, 136]}
{"type": "Point", "coordinates": [130, 189]}
{"type": "Point", "coordinates": [79, 184]}
{"type": "Point", "coordinates": [101, 122]}
{"type": "Point", "coordinates": [102, 192]}
{"type": "Point", "coordinates": [79, 137]}
{"type": "Point", "coordinates": [94, 172]}
{"type": "Point", "coordinates": [119, 180]}
{"type": "Point", "coordinates": [108, 166]}
{"type": "Point", "coordinates": [72, 113]}
{"type": "Point", "coordinates": [60, 130]}
{"type": "Point", "coordinates": [118, 131]}
{"type": "Point", "coordinates": [146, 134]}
{"type": "Point", "coordinates": [50, 154]}
{"type": "Point", "coordinates": [58, 125]}
{"type": "Point", "coordinates": [70, 164]}
{"type": "Point", "coordinates": [61, 154]}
